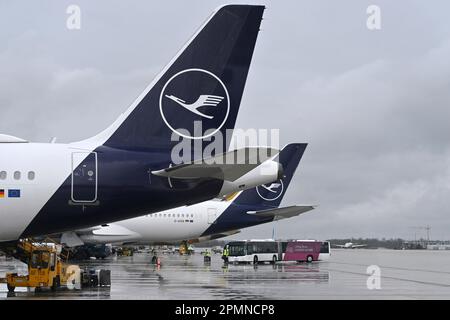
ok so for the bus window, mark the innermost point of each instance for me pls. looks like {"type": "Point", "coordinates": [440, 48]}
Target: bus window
{"type": "Point", "coordinates": [273, 247]}
{"type": "Point", "coordinates": [260, 247]}
{"type": "Point", "coordinates": [265, 247]}
{"type": "Point", "coordinates": [325, 247]}
{"type": "Point", "coordinates": [284, 246]}
{"type": "Point", "coordinates": [236, 249]}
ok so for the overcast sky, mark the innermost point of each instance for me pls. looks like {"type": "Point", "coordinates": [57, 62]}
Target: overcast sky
{"type": "Point", "coordinates": [374, 106]}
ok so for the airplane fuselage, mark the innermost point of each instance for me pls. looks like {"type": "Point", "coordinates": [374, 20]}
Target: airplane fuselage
{"type": "Point", "coordinates": [70, 183]}
{"type": "Point", "coordinates": [196, 222]}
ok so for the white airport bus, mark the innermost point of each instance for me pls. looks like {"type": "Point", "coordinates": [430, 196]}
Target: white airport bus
{"type": "Point", "coordinates": [256, 251]}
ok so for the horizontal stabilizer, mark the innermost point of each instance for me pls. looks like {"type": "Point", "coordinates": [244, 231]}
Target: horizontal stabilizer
{"type": "Point", "coordinates": [283, 213]}
{"type": "Point", "coordinates": [228, 166]}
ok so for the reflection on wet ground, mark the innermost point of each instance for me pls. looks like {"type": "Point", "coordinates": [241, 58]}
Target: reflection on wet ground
{"type": "Point", "coordinates": [404, 274]}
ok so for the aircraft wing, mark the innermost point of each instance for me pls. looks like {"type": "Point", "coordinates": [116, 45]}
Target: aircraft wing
{"type": "Point", "coordinates": [283, 213]}
{"type": "Point", "coordinates": [229, 166]}
{"type": "Point", "coordinates": [215, 236]}
{"type": "Point", "coordinates": [359, 245]}
{"type": "Point", "coordinates": [110, 233]}
{"type": "Point", "coordinates": [88, 230]}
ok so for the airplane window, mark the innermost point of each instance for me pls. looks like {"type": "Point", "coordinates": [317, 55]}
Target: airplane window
{"type": "Point", "coordinates": [3, 175]}
{"type": "Point", "coordinates": [169, 215]}
{"type": "Point", "coordinates": [178, 215]}
{"type": "Point", "coordinates": [192, 215]}
{"type": "Point", "coordinates": [182, 215]}
{"type": "Point", "coordinates": [31, 175]}
{"type": "Point", "coordinates": [17, 175]}
{"type": "Point", "coordinates": [164, 215]}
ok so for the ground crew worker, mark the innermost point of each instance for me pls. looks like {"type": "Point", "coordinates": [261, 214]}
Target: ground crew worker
{"type": "Point", "coordinates": [207, 257]}
{"type": "Point", "coordinates": [225, 254]}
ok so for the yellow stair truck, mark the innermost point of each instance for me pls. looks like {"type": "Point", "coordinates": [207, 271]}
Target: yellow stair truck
{"type": "Point", "coordinates": [45, 267]}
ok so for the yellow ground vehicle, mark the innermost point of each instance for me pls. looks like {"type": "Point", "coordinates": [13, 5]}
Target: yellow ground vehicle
{"type": "Point", "coordinates": [125, 252]}
{"type": "Point", "coordinates": [45, 267]}
{"type": "Point", "coordinates": [185, 248]}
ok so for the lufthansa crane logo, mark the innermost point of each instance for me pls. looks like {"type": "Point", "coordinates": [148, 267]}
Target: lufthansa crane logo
{"type": "Point", "coordinates": [271, 191]}
{"type": "Point", "coordinates": [194, 95]}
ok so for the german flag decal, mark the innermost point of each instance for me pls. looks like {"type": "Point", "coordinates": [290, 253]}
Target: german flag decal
{"type": "Point", "coordinates": [2, 193]}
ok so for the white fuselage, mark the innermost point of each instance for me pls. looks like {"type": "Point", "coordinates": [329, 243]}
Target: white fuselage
{"type": "Point", "coordinates": [174, 225]}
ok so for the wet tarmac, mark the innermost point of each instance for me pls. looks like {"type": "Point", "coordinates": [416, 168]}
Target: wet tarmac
{"type": "Point", "coordinates": [403, 275]}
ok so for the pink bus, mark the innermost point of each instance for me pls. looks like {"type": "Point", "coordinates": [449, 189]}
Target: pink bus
{"type": "Point", "coordinates": [256, 251]}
